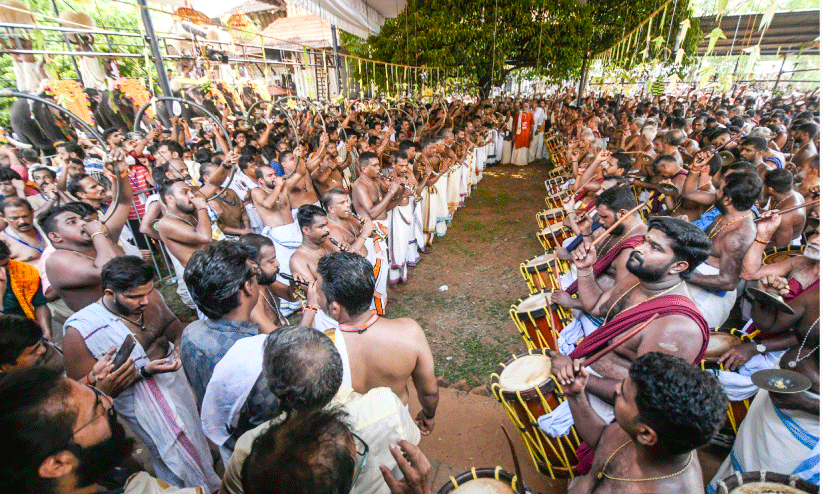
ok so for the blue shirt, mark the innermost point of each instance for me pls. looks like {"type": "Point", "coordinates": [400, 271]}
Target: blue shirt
{"type": "Point", "coordinates": [709, 216]}
{"type": "Point", "coordinates": [204, 344]}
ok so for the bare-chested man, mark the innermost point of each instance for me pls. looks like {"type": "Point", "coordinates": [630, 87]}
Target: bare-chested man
{"type": "Point", "coordinates": [82, 247]}
{"type": "Point", "coordinates": [314, 226]}
{"type": "Point", "coordinates": [777, 189]}
{"type": "Point", "coordinates": [376, 351]}
{"type": "Point", "coordinates": [329, 174]}
{"type": "Point", "coordinates": [714, 283]}
{"type": "Point", "coordinates": [24, 241]}
{"type": "Point", "coordinates": [155, 400]}
{"type": "Point", "coordinates": [302, 191]}
{"type": "Point", "coordinates": [343, 226]}
{"type": "Point", "coordinates": [670, 250]}
{"type": "Point", "coordinates": [804, 137]}
{"type": "Point", "coordinates": [697, 194]}
{"type": "Point", "coordinates": [665, 409]}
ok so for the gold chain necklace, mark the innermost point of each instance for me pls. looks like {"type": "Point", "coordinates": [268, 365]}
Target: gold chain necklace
{"type": "Point", "coordinates": [184, 220]}
{"type": "Point", "coordinates": [716, 233]}
{"type": "Point", "coordinates": [635, 305]}
{"type": "Point", "coordinates": [120, 316]}
{"type": "Point", "coordinates": [603, 473]}
{"type": "Point", "coordinates": [777, 206]}
{"type": "Point", "coordinates": [344, 228]}
{"type": "Point", "coordinates": [313, 252]}
{"type": "Point", "coordinates": [275, 308]}
{"type": "Point", "coordinates": [603, 249]}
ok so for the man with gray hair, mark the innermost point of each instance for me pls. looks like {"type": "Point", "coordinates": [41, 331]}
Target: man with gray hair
{"type": "Point", "coordinates": [304, 371]}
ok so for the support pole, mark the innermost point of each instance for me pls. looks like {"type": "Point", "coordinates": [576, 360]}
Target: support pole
{"type": "Point", "coordinates": [162, 76]}
{"type": "Point", "coordinates": [336, 59]}
{"type": "Point", "coordinates": [779, 73]}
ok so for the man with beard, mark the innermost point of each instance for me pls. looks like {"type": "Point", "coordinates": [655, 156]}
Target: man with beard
{"type": "Point", "coordinates": [314, 224]}
{"type": "Point", "coordinates": [20, 235]}
{"type": "Point", "coordinates": [329, 174]}
{"type": "Point", "coordinates": [66, 436]}
{"type": "Point", "coordinates": [714, 283]}
{"type": "Point", "coordinates": [376, 351]}
{"type": "Point", "coordinates": [156, 401]}
{"type": "Point", "coordinates": [371, 201]}
{"type": "Point", "coordinates": [670, 250]}
{"type": "Point", "coordinates": [272, 203]}
{"type": "Point", "coordinates": [777, 188]}
{"type": "Point", "coordinates": [267, 311]}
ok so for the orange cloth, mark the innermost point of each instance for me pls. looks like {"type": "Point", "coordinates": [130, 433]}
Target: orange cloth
{"type": "Point", "coordinates": [523, 131]}
{"type": "Point", "coordinates": [24, 281]}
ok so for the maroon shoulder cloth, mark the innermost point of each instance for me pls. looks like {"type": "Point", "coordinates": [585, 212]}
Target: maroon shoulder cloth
{"type": "Point", "coordinates": [667, 305]}
{"type": "Point", "coordinates": [606, 259]}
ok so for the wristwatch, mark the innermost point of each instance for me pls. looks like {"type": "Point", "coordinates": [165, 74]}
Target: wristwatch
{"type": "Point", "coordinates": [761, 348]}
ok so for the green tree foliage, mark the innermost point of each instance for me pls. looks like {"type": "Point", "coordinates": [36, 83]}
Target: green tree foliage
{"type": "Point", "coordinates": [552, 38]}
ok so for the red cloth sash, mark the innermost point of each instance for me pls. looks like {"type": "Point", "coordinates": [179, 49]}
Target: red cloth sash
{"type": "Point", "coordinates": [603, 263]}
{"type": "Point", "coordinates": [667, 305]}
{"type": "Point", "coordinates": [796, 289]}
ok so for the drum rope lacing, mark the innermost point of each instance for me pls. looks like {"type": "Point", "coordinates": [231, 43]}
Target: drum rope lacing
{"type": "Point", "coordinates": [533, 444]}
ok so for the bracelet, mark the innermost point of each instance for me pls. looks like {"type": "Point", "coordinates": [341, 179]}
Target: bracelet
{"type": "Point", "coordinates": [97, 233]}
{"type": "Point", "coordinates": [88, 381]}
{"type": "Point", "coordinates": [760, 241]}
{"type": "Point", "coordinates": [144, 373]}
{"type": "Point", "coordinates": [309, 307]}
{"type": "Point", "coordinates": [424, 414]}
{"type": "Point", "coordinates": [226, 167]}
{"type": "Point", "coordinates": [202, 209]}
{"type": "Point", "coordinates": [585, 234]}
{"type": "Point", "coordinates": [582, 275]}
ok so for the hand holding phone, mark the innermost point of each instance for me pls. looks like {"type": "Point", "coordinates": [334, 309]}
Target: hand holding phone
{"type": "Point", "coordinates": [124, 352]}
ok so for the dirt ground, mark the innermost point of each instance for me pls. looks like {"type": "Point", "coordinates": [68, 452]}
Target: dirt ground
{"type": "Point", "coordinates": [468, 325]}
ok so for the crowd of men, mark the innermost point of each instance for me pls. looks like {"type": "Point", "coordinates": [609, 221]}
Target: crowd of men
{"type": "Point", "coordinates": [322, 222]}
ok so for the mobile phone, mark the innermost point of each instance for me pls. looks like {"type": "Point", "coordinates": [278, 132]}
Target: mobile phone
{"type": "Point", "coordinates": [124, 351]}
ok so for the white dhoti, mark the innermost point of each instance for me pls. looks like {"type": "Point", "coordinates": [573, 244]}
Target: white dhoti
{"type": "Point", "coordinates": [774, 440]}
{"type": "Point", "coordinates": [498, 145]}
{"type": "Point", "coordinates": [418, 238]}
{"type": "Point", "coordinates": [491, 150]}
{"type": "Point", "coordinates": [480, 164]}
{"type": "Point", "coordinates": [254, 218]}
{"type": "Point", "coordinates": [161, 410]}
{"type": "Point", "coordinates": [379, 258]}
{"type": "Point", "coordinates": [506, 153]}
{"type": "Point", "coordinates": [453, 190]}
{"type": "Point", "coordinates": [536, 147]}
{"type": "Point", "coordinates": [464, 185]}
{"type": "Point", "coordinates": [287, 238]}
{"type": "Point", "coordinates": [402, 222]}
{"type": "Point", "coordinates": [441, 198]}
{"type": "Point", "coordinates": [520, 156]}
{"type": "Point", "coordinates": [715, 306]}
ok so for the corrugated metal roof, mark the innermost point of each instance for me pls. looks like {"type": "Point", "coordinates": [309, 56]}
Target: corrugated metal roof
{"type": "Point", "coordinates": [788, 32]}
{"type": "Point", "coordinates": [307, 30]}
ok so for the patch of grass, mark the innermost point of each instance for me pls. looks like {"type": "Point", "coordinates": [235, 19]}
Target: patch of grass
{"type": "Point", "coordinates": [473, 357]}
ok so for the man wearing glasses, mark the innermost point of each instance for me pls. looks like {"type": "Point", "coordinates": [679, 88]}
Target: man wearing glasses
{"type": "Point", "coordinates": [66, 437]}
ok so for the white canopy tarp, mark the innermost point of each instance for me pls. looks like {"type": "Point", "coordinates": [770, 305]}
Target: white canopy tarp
{"type": "Point", "coordinates": [359, 17]}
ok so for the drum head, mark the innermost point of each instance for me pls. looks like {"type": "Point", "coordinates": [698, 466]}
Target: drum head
{"type": "Point", "coordinates": [720, 343]}
{"type": "Point", "coordinates": [484, 486]}
{"type": "Point", "coordinates": [541, 259]}
{"type": "Point", "coordinates": [764, 483]}
{"type": "Point", "coordinates": [557, 228]}
{"type": "Point", "coordinates": [526, 372]}
{"type": "Point", "coordinates": [533, 303]}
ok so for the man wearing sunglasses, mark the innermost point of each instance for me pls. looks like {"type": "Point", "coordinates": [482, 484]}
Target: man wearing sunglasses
{"type": "Point", "coordinates": [66, 438]}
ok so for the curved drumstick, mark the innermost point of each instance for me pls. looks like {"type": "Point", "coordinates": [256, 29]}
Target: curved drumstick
{"type": "Point", "coordinates": [621, 220]}
{"type": "Point", "coordinates": [594, 358]}
{"type": "Point", "coordinates": [787, 210]}
{"type": "Point", "coordinates": [519, 485]}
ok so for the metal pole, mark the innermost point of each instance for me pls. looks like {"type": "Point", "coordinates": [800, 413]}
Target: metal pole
{"type": "Point", "coordinates": [779, 73]}
{"type": "Point", "coordinates": [336, 59]}
{"type": "Point", "coordinates": [68, 46]}
{"type": "Point", "coordinates": [162, 77]}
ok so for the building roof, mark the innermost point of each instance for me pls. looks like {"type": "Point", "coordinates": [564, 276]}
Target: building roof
{"type": "Point", "coordinates": [307, 30]}
{"type": "Point", "coordinates": [787, 32]}
{"type": "Point", "coordinates": [256, 6]}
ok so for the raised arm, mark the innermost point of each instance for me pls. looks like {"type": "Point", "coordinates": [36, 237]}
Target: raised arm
{"type": "Point", "coordinates": [117, 220]}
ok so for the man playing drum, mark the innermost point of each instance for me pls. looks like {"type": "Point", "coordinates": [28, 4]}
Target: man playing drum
{"type": "Point", "coordinates": [664, 410]}
{"type": "Point", "coordinates": [660, 265]}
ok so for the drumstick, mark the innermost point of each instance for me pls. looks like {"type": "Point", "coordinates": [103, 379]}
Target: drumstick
{"type": "Point", "coordinates": [554, 268]}
{"type": "Point", "coordinates": [594, 358]}
{"type": "Point", "coordinates": [550, 317]}
{"type": "Point", "coordinates": [621, 220]}
{"type": "Point", "coordinates": [787, 210]}
{"type": "Point", "coordinates": [519, 486]}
